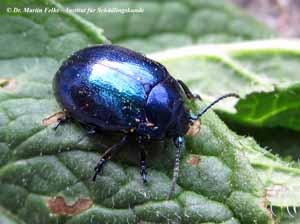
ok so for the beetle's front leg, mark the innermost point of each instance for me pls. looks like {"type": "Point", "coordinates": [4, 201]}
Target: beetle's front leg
{"type": "Point", "coordinates": [179, 142]}
{"type": "Point", "coordinates": [143, 170]}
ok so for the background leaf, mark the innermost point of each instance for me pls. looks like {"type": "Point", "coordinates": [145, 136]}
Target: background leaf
{"type": "Point", "coordinates": [281, 141]}
{"type": "Point", "coordinates": [270, 99]}
{"type": "Point", "coordinates": [168, 24]}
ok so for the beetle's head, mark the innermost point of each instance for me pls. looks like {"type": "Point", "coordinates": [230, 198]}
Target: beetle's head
{"type": "Point", "coordinates": [165, 110]}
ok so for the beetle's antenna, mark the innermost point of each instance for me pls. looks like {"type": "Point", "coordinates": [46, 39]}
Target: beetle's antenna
{"type": "Point", "coordinates": [196, 117]}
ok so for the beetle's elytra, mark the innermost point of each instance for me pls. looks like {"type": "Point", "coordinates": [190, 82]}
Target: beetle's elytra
{"type": "Point", "coordinates": [111, 88]}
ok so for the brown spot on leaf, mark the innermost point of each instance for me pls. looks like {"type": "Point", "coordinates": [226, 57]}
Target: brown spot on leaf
{"type": "Point", "coordinates": [194, 128]}
{"type": "Point", "coordinates": [54, 118]}
{"type": "Point", "coordinates": [8, 84]}
{"type": "Point", "coordinates": [194, 160]}
{"type": "Point", "coordinates": [58, 206]}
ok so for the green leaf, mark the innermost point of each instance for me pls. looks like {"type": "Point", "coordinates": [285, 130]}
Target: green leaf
{"type": "Point", "coordinates": [48, 164]}
{"type": "Point", "coordinates": [45, 175]}
{"type": "Point", "coordinates": [281, 141]}
{"type": "Point", "coordinates": [285, 218]}
{"type": "Point", "coordinates": [281, 179]}
{"type": "Point", "coordinates": [7, 218]}
{"type": "Point", "coordinates": [168, 24]}
{"type": "Point", "coordinates": [263, 73]}
{"type": "Point", "coordinates": [268, 84]}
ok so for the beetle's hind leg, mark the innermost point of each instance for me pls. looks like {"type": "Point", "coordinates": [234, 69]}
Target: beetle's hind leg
{"type": "Point", "coordinates": [108, 154]}
{"type": "Point", "coordinates": [178, 141]}
{"type": "Point", "coordinates": [188, 92]}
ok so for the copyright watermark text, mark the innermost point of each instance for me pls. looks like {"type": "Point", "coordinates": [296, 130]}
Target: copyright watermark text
{"type": "Point", "coordinates": [75, 10]}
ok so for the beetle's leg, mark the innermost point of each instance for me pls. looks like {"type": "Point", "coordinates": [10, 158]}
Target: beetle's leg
{"type": "Point", "coordinates": [143, 170]}
{"type": "Point", "coordinates": [61, 119]}
{"type": "Point", "coordinates": [178, 141]}
{"type": "Point", "coordinates": [108, 154]}
{"type": "Point", "coordinates": [188, 92]}
{"type": "Point", "coordinates": [90, 129]}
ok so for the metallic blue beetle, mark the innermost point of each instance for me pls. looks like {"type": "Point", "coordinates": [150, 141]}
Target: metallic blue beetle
{"type": "Point", "coordinates": [111, 88]}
